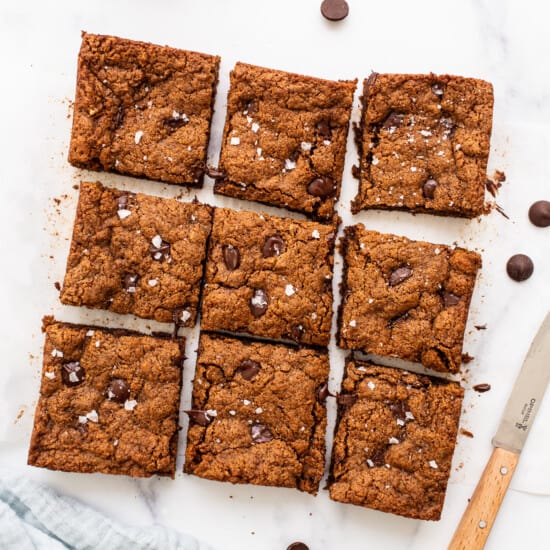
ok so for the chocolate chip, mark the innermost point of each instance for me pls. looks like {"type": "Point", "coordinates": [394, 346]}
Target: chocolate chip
{"type": "Point", "coordinates": [334, 10]}
{"type": "Point", "coordinates": [399, 409]}
{"type": "Point", "coordinates": [198, 417]}
{"type": "Point", "coordinates": [123, 202]}
{"type": "Point", "coordinates": [322, 187]}
{"type": "Point", "coordinates": [251, 108]}
{"type": "Point", "coordinates": [260, 433]}
{"type": "Point", "coordinates": [159, 249]}
{"type": "Point", "coordinates": [273, 246]}
{"type": "Point", "coordinates": [294, 156]}
{"type": "Point", "coordinates": [297, 546]}
{"type": "Point", "coordinates": [57, 285]}
{"type": "Point", "coordinates": [119, 118]}
{"type": "Point", "coordinates": [118, 390]}
{"type": "Point", "coordinates": [539, 213]}
{"type": "Point", "coordinates": [393, 120]}
{"type": "Point", "coordinates": [296, 332]}
{"type": "Point", "coordinates": [323, 128]}
{"type": "Point", "coordinates": [519, 267]}
{"type": "Point", "coordinates": [72, 374]}
{"type": "Point", "coordinates": [130, 282]}
{"type": "Point", "coordinates": [249, 369]}
{"type": "Point", "coordinates": [482, 388]}
{"type": "Point", "coordinates": [323, 392]}
{"type": "Point", "coordinates": [258, 303]}
{"type": "Point", "coordinates": [215, 173]}
{"type": "Point", "coordinates": [176, 122]}
{"type": "Point", "coordinates": [369, 83]}
{"type": "Point", "coordinates": [437, 89]}
{"type": "Point", "coordinates": [400, 275]}
{"type": "Point", "coordinates": [346, 399]}
{"type": "Point", "coordinates": [379, 457]}
{"type": "Point", "coordinates": [428, 189]}
{"type": "Point", "coordinates": [198, 173]}
{"type": "Point", "coordinates": [231, 257]}
{"type": "Point", "coordinates": [449, 299]}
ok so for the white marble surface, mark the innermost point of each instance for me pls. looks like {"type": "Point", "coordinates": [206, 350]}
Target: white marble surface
{"type": "Point", "coordinates": [505, 42]}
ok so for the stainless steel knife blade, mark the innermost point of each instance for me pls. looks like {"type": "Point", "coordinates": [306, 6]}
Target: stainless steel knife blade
{"type": "Point", "coordinates": [527, 393]}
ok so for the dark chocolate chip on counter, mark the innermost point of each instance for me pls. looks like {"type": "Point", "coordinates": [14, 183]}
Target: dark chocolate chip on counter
{"type": "Point", "coordinates": [202, 418]}
{"type": "Point", "coordinates": [519, 267]}
{"type": "Point", "coordinates": [482, 388]}
{"type": "Point", "coordinates": [400, 275]}
{"type": "Point", "coordinates": [249, 369]}
{"type": "Point", "coordinates": [428, 189]}
{"type": "Point", "coordinates": [72, 374]}
{"type": "Point", "coordinates": [231, 257]}
{"type": "Point", "coordinates": [539, 213]}
{"type": "Point", "coordinates": [297, 546]}
{"type": "Point", "coordinates": [321, 187]}
{"type": "Point", "coordinates": [273, 246]}
{"type": "Point", "coordinates": [261, 433]}
{"type": "Point", "coordinates": [258, 303]}
{"type": "Point", "coordinates": [449, 299]}
{"type": "Point", "coordinates": [334, 10]}
{"type": "Point", "coordinates": [118, 390]}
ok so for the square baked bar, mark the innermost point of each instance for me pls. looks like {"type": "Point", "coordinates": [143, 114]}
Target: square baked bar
{"type": "Point", "coordinates": [394, 440]}
{"type": "Point", "coordinates": [269, 276]}
{"type": "Point", "coordinates": [284, 140]}
{"type": "Point", "coordinates": [143, 110]}
{"type": "Point", "coordinates": [134, 253]}
{"type": "Point", "coordinates": [404, 298]}
{"type": "Point", "coordinates": [424, 144]}
{"type": "Point", "coordinates": [258, 413]}
{"type": "Point", "coordinates": [109, 402]}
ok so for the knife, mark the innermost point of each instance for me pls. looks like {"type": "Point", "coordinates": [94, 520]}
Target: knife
{"type": "Point", "coordinates": [517, 419]}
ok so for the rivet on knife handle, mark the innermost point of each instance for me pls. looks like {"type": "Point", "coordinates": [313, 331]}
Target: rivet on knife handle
{"type": "Point", "coordinates": [477, 521]}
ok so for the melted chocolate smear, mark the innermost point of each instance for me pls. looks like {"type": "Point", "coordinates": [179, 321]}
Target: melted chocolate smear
{"type": "Point", "coordinates": [249, 369]}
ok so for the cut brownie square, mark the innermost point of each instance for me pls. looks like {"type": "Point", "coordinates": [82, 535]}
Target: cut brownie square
{"type": "Point", "coordinates": [143, 110]}
{"type": "Point", "coordinates": [424, 144]}
{"type": "Point", "coordinates": [284, 140]}
{"type": "Point", "coordinates": [258, 413]}
{"type": "Point", "coordinates": [109, 402]}
{"type": "Point", "coordinates": [269, 276]}
{"type": "Point", "coordinates": [134, 253]}
{"type": "Point", "coordinates": [394, 440]}
{"type": "Point", "coordinates": [404, 298]}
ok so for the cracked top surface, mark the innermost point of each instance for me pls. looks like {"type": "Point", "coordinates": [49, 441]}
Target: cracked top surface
{"type": "Point", "coordinates": [115, 263]}
{"type": "Point", "coordinates": [405, 298]}
{"type": "Point", "coordinates": [417, 128]}
{"type": "Point", "coordinates": [282, 132]}
{"type": "Point", "coordinates": [266, 424]}
{"type": "Point", "coordinates": [269, 276]}
{"type": "Point", "coordinates": [394, 440]}
{"type": "Point", "coordinates": [85, 424]}
{"type": "Point", "coordinates": [142, 110]}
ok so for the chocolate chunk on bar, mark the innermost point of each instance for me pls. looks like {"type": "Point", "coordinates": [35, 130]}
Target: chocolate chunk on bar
{"type": "Point", "coordinates": [269, 276]}
{"type": "Point", "coordinates": [143, 110]}
{"type": "Point", "coordinates": [284, 140]}
{"type": "Point", "coordinates": [109, 402]}
{"type": "Point", "coordinates": [424, 144]}
{"type": "Point", "coordinates": [262, 421]}
{"type": "Point", "coordinates": [404, 298]}
{"type": "Point", "coordinates": [394, 441]}
{"type": "Point", "coordinates": [138, 254]}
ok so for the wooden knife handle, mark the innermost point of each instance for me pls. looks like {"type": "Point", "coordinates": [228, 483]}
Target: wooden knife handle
{"type": "Point", "coordinates": [480, 514]}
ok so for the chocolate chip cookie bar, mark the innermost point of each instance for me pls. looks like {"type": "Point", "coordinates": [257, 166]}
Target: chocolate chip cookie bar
{"type": "Point", "coordinates": [143, 110]}
{"type": "Point", "coordinates": [284, 140]}
{"type": "Point", "coordinates": [424, 144]}
{"type": "Point", "coordinates": [134, 253]}
{"type": "Point", "coordinates": [109, 402]}
{"type": "Point", "coordinates": [394, 440]}
{"type": "Point", "coordinates": [404, 298]}
{"type": "Point", "coordinates": [258, 413]}
{"type": "Point", "coordinates": [269, 276]}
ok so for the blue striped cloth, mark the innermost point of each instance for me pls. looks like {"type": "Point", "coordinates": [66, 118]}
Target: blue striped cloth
{"type": "Point", "coordinates": [35, 517]}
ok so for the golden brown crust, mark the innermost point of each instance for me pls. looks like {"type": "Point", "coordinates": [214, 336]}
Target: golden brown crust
{"type": "Point", "coordinates": [281, 396]}
{"type": "Point", "coordinates": [394, 440]}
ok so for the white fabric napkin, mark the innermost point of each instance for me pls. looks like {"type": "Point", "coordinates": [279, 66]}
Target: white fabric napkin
{"type": "Point", "coordinates": [35, 517]}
